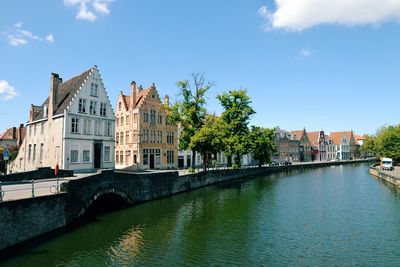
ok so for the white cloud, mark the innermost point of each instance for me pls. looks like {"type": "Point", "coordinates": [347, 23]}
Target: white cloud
{"type": "Point", "coordinates": [306, 52]}
{"type": "Point", "coordinates": [17, 36]}
{"type": "Point", "coordinates": [7, 90]}
{"type": "Point", "coordinates": [297, 15]}
{"type": "Point", "coordinates": [90, 9]}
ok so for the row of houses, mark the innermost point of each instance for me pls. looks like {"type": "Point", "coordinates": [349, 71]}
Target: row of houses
{"type": "Point", "coordinates": [77, 129]}
{"type": "Point", "coordinates": [303, 146]}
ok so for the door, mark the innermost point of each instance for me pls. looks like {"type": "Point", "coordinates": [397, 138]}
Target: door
{"type": "Point", "coordinates": [151, 161]}
{"type": "Point", "coordinates": [97, 155]}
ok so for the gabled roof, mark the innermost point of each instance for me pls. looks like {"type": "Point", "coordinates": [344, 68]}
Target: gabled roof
{"type": "Point", "coordinates": [298, 134]}
{"type": "Point", "coordinates": [66, 92]}
{"type": "Point", "coordinates": [140, 97]}
{"type": "Point", "coordinates": [337, 137]}
{"type": "Point", "coordinates": [7, 134]}
{"type": "Point", "coordinates": [314, 138]}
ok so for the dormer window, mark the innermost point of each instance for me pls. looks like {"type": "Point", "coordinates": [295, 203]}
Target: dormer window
{"type": "Point", "coordinates": [94, 90]}
{"type": "Point", "coordinates": [45, 111]}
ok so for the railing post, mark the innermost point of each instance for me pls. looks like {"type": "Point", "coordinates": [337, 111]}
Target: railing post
{"type": "Point", "coordinates": [33, 188]}
{"type": "Point", "coordinates": [58, 188]}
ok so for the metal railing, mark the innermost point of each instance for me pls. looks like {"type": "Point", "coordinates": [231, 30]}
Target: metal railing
{"type": "Point", "coordinates": [35, 186]}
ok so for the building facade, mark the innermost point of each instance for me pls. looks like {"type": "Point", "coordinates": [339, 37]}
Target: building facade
{"type": "Point", "coordinates": [330, 149]}
{"type": "Point", "coordinates": [342, 146]}
{"type": "Point", "coordinates": [73, 128]}
{"type": "Point", "coordinates": [144, 137]}
{"type": "Point", "coordinates": [305, 145]}
{"type": "Point", "coordinates": [287, 147]}
{"type": "Point", "coordinates": [318, 144]}
{"type": "Point", "coordinates": [353, 145]}
{"type": "Point", "coordinates": [12, 138]}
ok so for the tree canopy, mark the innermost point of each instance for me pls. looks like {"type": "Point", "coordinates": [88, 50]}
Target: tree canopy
{"type": "Point", "coordinates": [261, 143]}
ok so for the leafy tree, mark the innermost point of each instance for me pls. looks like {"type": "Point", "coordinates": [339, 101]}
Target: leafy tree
{"type": "Point", "coordinates": [190, 111]}
{"type": "Point", "coordinates": [387, 142]}
{"type": "Point", "coordinates": [261, 143]}
{"type": "Point", "coordinates": [369, 145]}
{"type": "Point", "coordinates": [209, 139]}
{"type": "Point", "coordinates": [236, 115]}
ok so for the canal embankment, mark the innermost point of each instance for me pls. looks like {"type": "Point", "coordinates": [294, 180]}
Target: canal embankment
{"type": "Point", "coordinates": [25, 220]}
{"type": "Point", "coordinates": [392, 177]}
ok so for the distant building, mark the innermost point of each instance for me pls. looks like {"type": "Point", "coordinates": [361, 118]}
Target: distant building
{"type": "Point", "coordinates": [353, 145]}
{"type": "Point", "coordinates": [342, 145]}
{"type": "Point", "coordinates": [287, 146]}
{"type": "Point", "coordinates": [305, 145]}
{"type": "Point", "coordinates": [318, 145]}
{"type": "Point", "coordinates": [74, 127]}
{"type": "Point", "coordinates": [144, 137]}
{"type": "Point", "coordinates": [12, 137]}
{"type": "Point", "coordinates": [330, 148]}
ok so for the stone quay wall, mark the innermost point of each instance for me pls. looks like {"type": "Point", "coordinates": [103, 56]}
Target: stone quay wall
{"type": "Point", "coordinates": [27, 219]}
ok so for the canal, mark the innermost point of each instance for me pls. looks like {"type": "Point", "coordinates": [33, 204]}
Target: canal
{"type": "Point", "coordinates": [320, 217]}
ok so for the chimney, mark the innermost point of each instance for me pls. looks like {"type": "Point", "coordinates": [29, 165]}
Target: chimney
{"type": "Point", "coordinates": [166, 101]}
{"type": "Point", "coordinates": [133, 95]}
{"type": "Point", "coordinates": [14, 133]}
{"type": "Point", "coordinates": [55, 81]}
{"type": "Point", "coordinates": [19, 137]}
{"type": "Point", "coordinates": [153, 85]}
{"type": "Point", "coordinates": [140, 88]}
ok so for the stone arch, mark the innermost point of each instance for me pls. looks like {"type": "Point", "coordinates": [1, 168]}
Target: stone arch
{"type": "Point", "coordinates": [103, 192]}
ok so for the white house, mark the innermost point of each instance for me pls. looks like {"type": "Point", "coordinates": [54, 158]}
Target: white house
{"type": "Point", "coordinates": [341, 144]}
{"type": "Point", "coordinates": [73, 128]}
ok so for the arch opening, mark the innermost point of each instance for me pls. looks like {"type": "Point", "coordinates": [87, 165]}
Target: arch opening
{"type": "Point", "coordinates": [106, 203]}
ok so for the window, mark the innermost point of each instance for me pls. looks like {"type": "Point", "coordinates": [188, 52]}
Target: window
{"type": "Point", "coordinates": [42, 128]}
{"type": "Point", "coordinates": [144, 136]}
{"type": "Point", "coordinates": [29, 152]}
{"type": "Point", "coordinates": [107, 154]}
{"type": "Point", "coordinates": [122, 121]}
{"type": "Point", "coordinates": [34, 152]}
{"type": "Point", "coordinates": [158, 157]}
{"type": "Point", "coordinates": [87, 126]}
{"type": "Point", "coordinates": [145, 156]}
{"type": "Point", "coordinates": [152, 116]}
{"type": "Point", "coordinates": [121, 136]}
{"type": "Point", "coordinates": [103, 109]}
{"type": "Point", "coordinates": [97, 127]}
{"type": "Point", "coordinates": [86, 156]}
{"type": "Point", "coordinates": [116, 156]}
{"type": "Point", "coordinates": [159, 137]}
{"type": "Point", "coordinates": [152, 136]}
{"type": "Point", "coordinates": [74, 125]}
{"type": "Point", "coordinates": [127, 137]}
{"type": "Point", "coordinates": [145, 117]}
{"type": "Point", "coordinates": [94, 90]}
{"type": "Point", "coordinates": [41, 152]}
{"type": "Point", "coordinates": [30, 130]}
{"type": "Point", "coordinates": [160, 119]}
{"type": "Point", "coordinates": [82, 105]}
{"type": "Point", "coordinates": [170, 137]}
{"type": "Point", "coordinates": [117, 138]}
{"type": "Point", "coordinates": [127, 120]}
{"type": "Point", "coordinates": [121, 157]}
{"type": "Point", "coordinates": [170, 157]}
{"type": "Point", "coordinates": [107, 128]}
{"type": "Point", "coordinates": [93, 106]}
{"type": "Point", "coordinates": [117, 119]}
{"type": "Point", "coordinates": [74, 156]}
{"type": "Point", "coordinates": [135, 118]}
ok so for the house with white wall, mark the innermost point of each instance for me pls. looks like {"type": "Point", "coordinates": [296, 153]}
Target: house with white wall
{"type": "Point", "coordinates": [73, 128]}
{"type": "Point", "coordinates": [342, 145]}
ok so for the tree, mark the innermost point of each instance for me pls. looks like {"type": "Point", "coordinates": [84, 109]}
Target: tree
{"type": "Point", "coordinates": [387, 142]}
{"type": "Point", "coordinates": [236, 115]}
{"type": "Point", "coordinates": [190, 111]}
{"type": "Point", "coordinates": [261, 142]}
{"type": "Point", "coordinates": [369, 145]}
{"type": "Point", "coordinates": [209, 139]}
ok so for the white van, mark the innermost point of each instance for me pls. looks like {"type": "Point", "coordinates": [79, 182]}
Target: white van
{"type": "Point", "coordinates": [387, 164]}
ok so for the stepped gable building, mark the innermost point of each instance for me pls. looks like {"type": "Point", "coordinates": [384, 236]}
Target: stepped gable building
{"type": "Point", "coordinates": [144, 138]}
{"type": "Point", "coordinates": [74, 127]}
{"type": "Point", "coordinates": [305, 145]}
{"type": "Point", "coordinates": [330, 148]}
{"type": "Point", "coordinates": [318, 145]}
{"type": "Point", "coordinates": [342, 146]}
{"type": "Point", "coordinates": [353, 145]}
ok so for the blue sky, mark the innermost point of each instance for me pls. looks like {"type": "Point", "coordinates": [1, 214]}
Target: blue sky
{"type": "Point", "coordinates": [329, 68]}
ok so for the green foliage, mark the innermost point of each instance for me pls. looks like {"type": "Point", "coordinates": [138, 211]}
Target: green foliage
{"type": "Point", "coordinates": [209, 139]}
{"type": "Point", "coordinates": [261, 143]}
{"type": "Point", "coordinates": [387, 142]}
{"type": "Point", "coordinates": [190, 111]}
{"type": "Point", "coordinates": [236, 116]}
{"type": "Point", "coordinates": [369, 145]}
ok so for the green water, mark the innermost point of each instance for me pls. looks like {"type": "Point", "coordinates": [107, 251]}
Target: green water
{"type": "Point", "coordinates": [337, 216]}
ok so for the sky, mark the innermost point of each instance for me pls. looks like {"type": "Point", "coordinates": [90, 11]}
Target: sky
{"type": "Point", "coordinates": [322, 65]}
